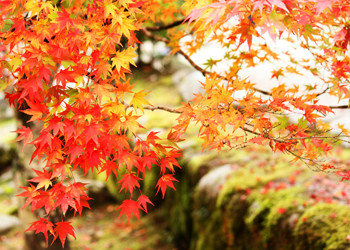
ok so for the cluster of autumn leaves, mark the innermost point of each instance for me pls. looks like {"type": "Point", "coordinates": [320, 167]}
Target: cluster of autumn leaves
{"type": "Point", "coordinates": [69, 61]}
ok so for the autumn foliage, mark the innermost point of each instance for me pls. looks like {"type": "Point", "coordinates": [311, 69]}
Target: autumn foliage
{"type": "Point", "coordinates": [68, 66]}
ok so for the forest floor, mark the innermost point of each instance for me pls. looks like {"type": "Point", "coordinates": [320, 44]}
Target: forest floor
{"type": "Point", "coordinates": [100, 228]}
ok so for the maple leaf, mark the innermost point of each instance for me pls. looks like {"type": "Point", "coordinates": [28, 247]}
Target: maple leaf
{"type": "Point", "coordinates": [36, 110]}
{"type": "Point", "coordinates": [128, 182]}
{"type": "Point", "coordinates": [56, 125]}
{"type": "Point", "coordinates": [43, 199]}
{"type": "Point", "coordinates": [41, 226]}
{"type": "Point", "coordinates": [43, 179]}
{"type": "Point", "coordinates": [138, 100]}
{"type": "Point", "coordinates": [91, 133]}
{"type": "Point", "coordinates": [258, 140]}
{"type": "Point", "coordinates": [82, 202]}
{"type": "Point", "coordinates": [75, 151]}
{"type": "Point", "coordinates": [30, 193]}
{"type": "Point", "coordinates": [60, 170]}
{"type": "Point", "coordinates": [109, 166]}
{"type": "Point", "coordinates": [277, 73]}
{"type": "Point", "coordinates": [164, 182]}
{"type": "Point", "coordinates": [344, 130]}
{"type": "Point", "coordinates": [167, 163]}
{"type": "Point", "coordinates": [64, 76]}
{"type": "Point", "coordinates": [64, 20]}
{"type": "Point", "coordinates": [143, 200]}
{"type": "Point", "coordinates": [61, 230]}
{"type": "Point", "coordinates": [45, 74]}
{"type": "Point", "coordinates": [64, 199]}
{"type": "Point", "coordinates": [322, 5]}
{"type": "Point", "coordinates": [124, 58]}
{"type": "Point", "coordinates": [102, 70]}
{"type": "Point", "coordinates": [147, 160]}
{"type": "Point", "coordinates": [26, 134]}
{"type": "Point", "coordinates": [129, 207]}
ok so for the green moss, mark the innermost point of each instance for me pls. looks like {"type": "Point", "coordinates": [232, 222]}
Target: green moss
{"type": "Point", "coordinates": [252, 177]}
{"type": "Point", "coordinates": [199, 160]}
{"type": "Point", "coordinates": [157, 119]}
{"type": "Point", "coordinates": [270, 213]}
{"type": "Point", "coordinates": [324, 226]}
{"type": "Point", "coordinates": [164, 95]}
{"type": "Point", "coordinates": [180, 215]}
{"type": "Point", "coordinates": [238, 234]}
{"type": "Point", "coordinates": [210, 233]}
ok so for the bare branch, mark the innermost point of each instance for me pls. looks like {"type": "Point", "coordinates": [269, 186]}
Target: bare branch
{"type": "Point", "coordinates": [152, 108]}
{"type": "Point", "coordinates": [340, 107]}
{"type": "Point", "coordinates": [154, 37]}
{"type": "Point", "coordinates": [165, 27]}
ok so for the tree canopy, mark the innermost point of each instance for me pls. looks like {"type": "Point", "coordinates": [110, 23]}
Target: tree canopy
{"type": "Point", "coordinates": [68, 66]}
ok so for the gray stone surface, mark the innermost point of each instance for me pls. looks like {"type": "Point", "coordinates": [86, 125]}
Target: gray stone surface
{"type": "Point", "coordinates": [8, 222]}
{"type": "Point", "coordinates": [212, 181]}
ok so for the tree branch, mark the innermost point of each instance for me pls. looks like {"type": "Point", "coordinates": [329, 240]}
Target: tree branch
{"type": "Point", "coordinates": [152, 108]}
{"type": "Point", "coordinates": [165, 27]}
{"type": "Point", "coordinates": [340, 107]}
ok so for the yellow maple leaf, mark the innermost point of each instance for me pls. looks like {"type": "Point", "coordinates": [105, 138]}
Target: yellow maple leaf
{"type": "Point", "coordinates": [124, 59]}
{"type": "Point", "coordinates": [138, 100]}
{"type": "Point", "coordinates": [344, 130]}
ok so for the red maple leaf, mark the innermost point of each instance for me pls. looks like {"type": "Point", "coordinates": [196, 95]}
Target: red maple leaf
{"type": "Point", "coordinates": [61, 230]}
{"type": "Point", "coordinates": [129, 207]}
{"type": "Point", "coordinates": [82, 202]}
{"type": "Point", "coordinates": [25, 134]}
{"type": "Point", "coordinates": [43, 199]}
{"type": "Point", "coordinates": [64, 20]}
{"type": "Point", "coordinates": [75, 151]}
{"type": "Point", "coordinates": [258, 140]}
{"type": "Point", "coordinates": [143, 200]}
{"type": "Point", "coordinates": [44, 73]}
{"type": "Point", "coordinates": [43, 179]}
{"type": "Point", "coordinates": [41, 226]}
{"type": "Point", "coordinates": [64, 76]}
{"type": "Point", "coordinates": [36, 110]}
{"type": "Point", "coordinates": [30, 193]}
{"type": "Point", "coordinates": [91, 133]}
{"type": "Point", "coordinates": [164, 182]}
{"type": "Point", "coordinates": [281, 210]}
{"type": "Point", "coordinates": [129, 181]}
{"type": "Point", "coordinates": [110, 166]}
{"type": "Point", "coordinates": [64, 200]}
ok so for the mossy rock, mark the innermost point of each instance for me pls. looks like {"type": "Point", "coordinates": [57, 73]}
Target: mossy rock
{"type": "Point", "coordinates": [324, 226]}
{"type": "Point", "coordinates": [273, 215]}
{"type": "Point", "coordinates": [217, 227]}
{"type": "Point", "coordinates": [177, 208]}
{"type": "Point", "coordinates": [209, 234]}
{"type": "Point", "coordinates": [238, 235]}
{"type": "Point", "coordinates": [252, 178]}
